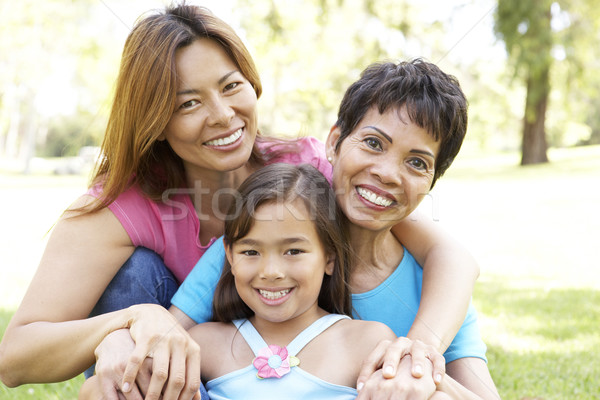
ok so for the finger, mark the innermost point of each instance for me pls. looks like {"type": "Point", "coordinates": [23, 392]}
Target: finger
{"type": "Point", "coordinates": [91, 386]}
{"type": "Point", "coordinates": [192, 380]}
{"type": "Point", "coordinates": [371, 391]}
{"type": "Point", "coordinates": [391, 360]}
{"type": "Point", "coordinates": [144, 376]}
{"type": "Point", "coordinates": [160, 373]}
{"type": "Point", "coordinates": [107, 388]}
{"type": "Point", "coordinates": [372, 363]}
{"type": "Point", "coordinates": [133, 366]}
{"type": "Point", "coordinates": [439, 367]}
{"type": "Point", "coordinates": [133, 394]}
{"type": "Point", "coordinates": [177, 369]}
{"type": "Point", "coordinates": [418, 361]}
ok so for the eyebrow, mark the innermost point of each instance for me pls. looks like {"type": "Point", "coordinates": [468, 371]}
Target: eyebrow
{"type": "Point", "coordinates": [224, 78]}
{"type": "Point", "coordinates": [220, 81]}
{"type": "Point", "coordinates": [424, 152]}
{"type": "Point", "coordinates": [388, 137]}
{"type": "Point", "coordinates": [286, 241]}
{"type": "Point", "coordinates": [382, 133]}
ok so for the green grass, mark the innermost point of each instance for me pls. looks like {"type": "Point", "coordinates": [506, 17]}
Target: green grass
{"type": "Point", "coordinates": [541, 343]}
{"type": "Point", "coordinates": [534, 231]}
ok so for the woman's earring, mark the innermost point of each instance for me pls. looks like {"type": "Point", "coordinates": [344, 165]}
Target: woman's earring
{"type": "Point", "coordinates": [330, 159]}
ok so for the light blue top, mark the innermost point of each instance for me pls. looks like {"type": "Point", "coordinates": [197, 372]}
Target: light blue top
{"type": "Point", "coordinates": [297, 384]}
{"type": "Point", "coordinates": [395, 302]}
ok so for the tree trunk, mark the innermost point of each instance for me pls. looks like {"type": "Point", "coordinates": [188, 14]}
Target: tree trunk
{"type": "Point", "coordinates": [534, 146]}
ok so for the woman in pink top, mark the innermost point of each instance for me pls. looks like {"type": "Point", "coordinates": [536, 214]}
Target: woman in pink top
{"type": "Point", "coordinates": [182, 134]}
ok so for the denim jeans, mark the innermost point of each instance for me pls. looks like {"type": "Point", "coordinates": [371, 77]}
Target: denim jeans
{"type": "Point", "coordinates": [143, 278]}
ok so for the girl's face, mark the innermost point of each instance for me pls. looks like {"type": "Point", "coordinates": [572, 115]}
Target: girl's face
{"type": "Point", "coordinates": [279, 265]}
{"type": "Point", "coordinates": [214, 124]}
{"type": "Point", "coordinates": [383, 169]}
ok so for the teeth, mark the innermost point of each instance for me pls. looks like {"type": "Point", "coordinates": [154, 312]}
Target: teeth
{"type": "Point", "coordinates": [225, 141]}
{"type": "Point", "coordinates": [373, 198]}
{"type": "Point", "coordinates": [273, 295]}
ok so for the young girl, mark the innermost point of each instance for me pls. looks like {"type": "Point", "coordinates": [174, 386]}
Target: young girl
{"type": "Point", "coordinates": [282, 302]}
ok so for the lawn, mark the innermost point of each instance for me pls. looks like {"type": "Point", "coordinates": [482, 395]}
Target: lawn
{"type": "Point", "coordinates": [534, 231]}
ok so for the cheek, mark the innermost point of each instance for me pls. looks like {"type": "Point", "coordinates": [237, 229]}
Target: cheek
{"type": "Point", "coordinates": [249, 102]}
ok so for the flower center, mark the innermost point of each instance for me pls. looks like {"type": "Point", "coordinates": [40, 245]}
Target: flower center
{"type": "Point", "coordinates": [274, 361]}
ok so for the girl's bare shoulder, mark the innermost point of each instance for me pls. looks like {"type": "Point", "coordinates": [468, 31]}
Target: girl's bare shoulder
{"type": "Point", "coordinates": [208, 333]}
{"type": "Point", "coordinates": [369, 329]}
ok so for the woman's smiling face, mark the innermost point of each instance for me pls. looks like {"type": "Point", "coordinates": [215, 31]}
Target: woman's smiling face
{"type": "Point", "coordinates": [214, 124]}
{"type": "Point", "coordinates": [382, 169]}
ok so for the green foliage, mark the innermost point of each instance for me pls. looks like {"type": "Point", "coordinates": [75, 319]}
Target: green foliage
{"type": "Point", "coordinates": [61, 65]}
{"type": "Point", "coordinates": [524, 26]}
{"type": "Point", "coordinates": [67, 134]}
{"type": "Point", "coordinates": [308, 52]}
{"type": "Point", "coordinates": [560, 36]}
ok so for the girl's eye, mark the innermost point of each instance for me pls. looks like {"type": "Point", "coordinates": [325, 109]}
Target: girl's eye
{"type": "Point", "coordinates": [294, 252]}
{"type": "Point", "coordinates": [373, 143]}
{"type": "Point", "coordinates": [189, 104]}
{"type": "Point", "coordinates": [250, 252]}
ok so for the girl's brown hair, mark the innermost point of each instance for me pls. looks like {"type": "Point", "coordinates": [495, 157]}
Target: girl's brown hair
{"type": "Point", "coordinates": [286, 183]}
{"type": "Point", "coordinates": [144, 100]}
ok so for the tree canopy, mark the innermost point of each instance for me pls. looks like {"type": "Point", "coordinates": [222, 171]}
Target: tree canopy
{"type": "Point", "coordinates": [60, 58]}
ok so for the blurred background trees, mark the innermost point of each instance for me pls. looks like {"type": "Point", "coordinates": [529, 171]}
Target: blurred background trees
{"type": "Point", "coordinates": [527, 66]}
{"type": "Point", "coordinates": [538, 35]}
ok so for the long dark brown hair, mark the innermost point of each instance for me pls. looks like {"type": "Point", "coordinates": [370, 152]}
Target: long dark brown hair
{"type": "Point", "coordinates": [145, 95]}
{"type": "Point", "coordinates": [285, 183]}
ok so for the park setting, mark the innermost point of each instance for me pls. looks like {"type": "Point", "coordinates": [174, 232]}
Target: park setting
{"type": "Point", "coordinates": [521, 196]}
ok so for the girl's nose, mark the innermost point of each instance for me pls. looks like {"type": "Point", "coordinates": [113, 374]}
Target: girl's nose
{"type": "Point", "coordinates": [271, 270]}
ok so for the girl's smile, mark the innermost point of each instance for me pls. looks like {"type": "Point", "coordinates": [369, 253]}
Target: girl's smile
{"type": "Point", "coordinates": [278, 267]}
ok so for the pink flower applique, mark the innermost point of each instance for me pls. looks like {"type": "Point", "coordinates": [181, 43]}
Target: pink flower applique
{"type": "Point", "coordinates": [274, 362]}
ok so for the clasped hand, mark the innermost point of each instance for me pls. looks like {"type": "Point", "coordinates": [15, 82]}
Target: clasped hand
{"type": "Point", "coordinates": [401, 369]}
{"type": "Point", "coordinates": [164, 360]}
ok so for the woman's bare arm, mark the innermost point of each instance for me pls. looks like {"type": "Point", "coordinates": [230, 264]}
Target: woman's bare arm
{"type": "Point", "coordinates": [50, 337]}
{"type": "Point", "coordinates": [469, 379]}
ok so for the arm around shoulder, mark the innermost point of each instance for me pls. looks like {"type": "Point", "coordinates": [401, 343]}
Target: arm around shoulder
{"type": "Point", "coordinates": [449, 274]}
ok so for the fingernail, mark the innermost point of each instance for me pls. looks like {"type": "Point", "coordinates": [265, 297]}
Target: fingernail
{"type": "Point", "coordinates": [389, 370]}
{"type": "Point", "coordinates": [359, 386]}
{"type": "Point", "coordinates": [418, 369]}
{"type": "Point", "coordinates": [438, 378]}
{"type": "Point", "coordinates": [126, 388]}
